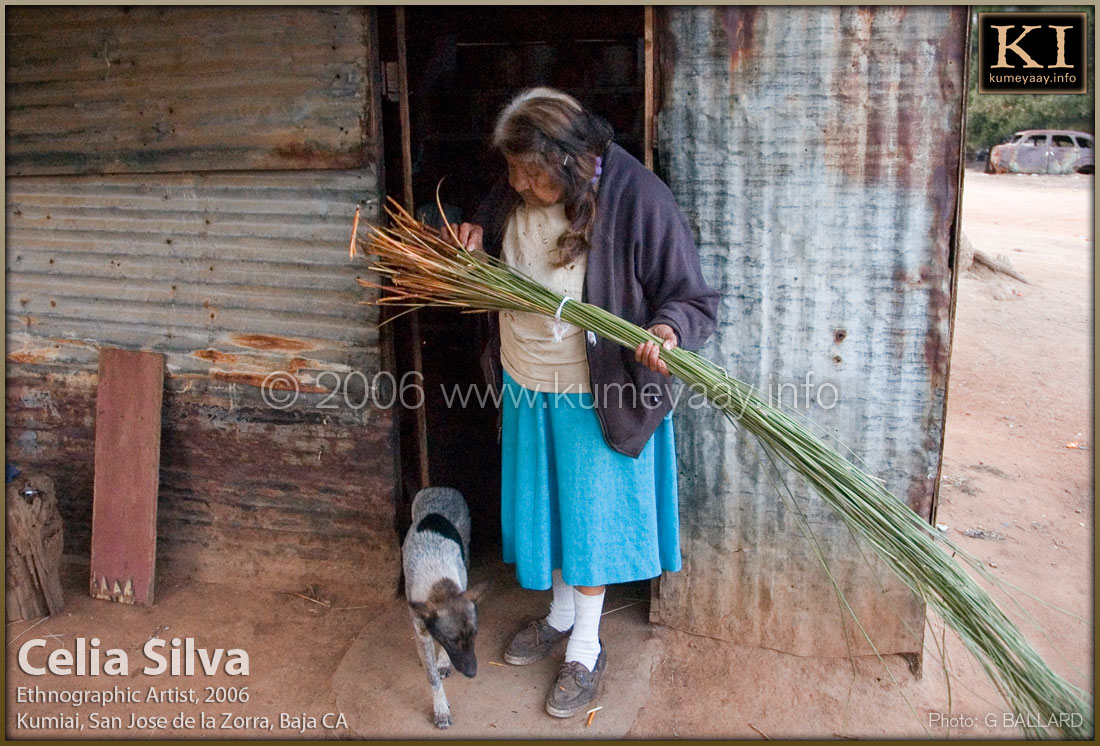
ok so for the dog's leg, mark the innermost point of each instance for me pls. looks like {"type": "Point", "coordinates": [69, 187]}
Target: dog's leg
{"type": "Point", "coordinates": [426, 647]}
{"type": "Point", "coordinates": [443, 663]}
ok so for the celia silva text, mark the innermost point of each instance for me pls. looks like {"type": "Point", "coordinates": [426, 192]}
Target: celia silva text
{"type": "Point", "coordinates": [181, 659]}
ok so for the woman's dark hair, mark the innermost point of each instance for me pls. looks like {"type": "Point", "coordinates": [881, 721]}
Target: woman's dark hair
{"type": "Point", "coordinates": [551, 130]}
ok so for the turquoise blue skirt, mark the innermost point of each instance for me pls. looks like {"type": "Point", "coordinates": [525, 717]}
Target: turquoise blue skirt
{"type": "Point", "coordinates": [569, 501]}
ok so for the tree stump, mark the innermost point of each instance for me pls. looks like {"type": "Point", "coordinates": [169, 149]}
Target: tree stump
{"type": "Point", "coordinates": [33, 551]}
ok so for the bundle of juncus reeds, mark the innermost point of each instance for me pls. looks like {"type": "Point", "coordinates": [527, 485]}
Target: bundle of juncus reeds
{"type": "Point", "coordinates": [428, 268]}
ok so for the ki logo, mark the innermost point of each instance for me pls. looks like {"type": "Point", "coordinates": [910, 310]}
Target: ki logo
{"type": "Point", "coordinates": [1031, 53]}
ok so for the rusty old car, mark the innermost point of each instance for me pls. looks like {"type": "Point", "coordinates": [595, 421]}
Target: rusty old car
{"type": "Point", "coordinates": [1043, 152]}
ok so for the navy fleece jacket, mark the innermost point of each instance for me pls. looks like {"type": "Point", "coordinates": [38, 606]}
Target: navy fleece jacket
{"type": "Point", "coordinates": [643, 267]}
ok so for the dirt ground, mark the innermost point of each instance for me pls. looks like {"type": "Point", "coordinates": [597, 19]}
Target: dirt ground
{"type": "Point", "coordinates": [1016, 475]}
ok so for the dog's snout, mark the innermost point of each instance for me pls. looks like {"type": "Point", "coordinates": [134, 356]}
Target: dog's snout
{"type": "Point", "coordinates": [466, 664]}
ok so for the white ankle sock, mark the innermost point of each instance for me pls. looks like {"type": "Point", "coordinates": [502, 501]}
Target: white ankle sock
{"type": "Point", "coordinates": [584, 643]}
{"type": "Point", "coordinates": [561, 608]}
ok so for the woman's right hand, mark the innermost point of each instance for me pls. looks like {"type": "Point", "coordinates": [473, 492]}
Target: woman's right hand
{"type": "Point", "coordinates": [469, 235]}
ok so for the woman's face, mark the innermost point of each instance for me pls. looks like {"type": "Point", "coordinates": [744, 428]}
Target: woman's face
{"type": "Point", "coordinates": [537, 187]}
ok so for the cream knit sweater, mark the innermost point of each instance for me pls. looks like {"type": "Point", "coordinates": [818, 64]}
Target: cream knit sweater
{"type": "Point", "coordinates": [528, 350]}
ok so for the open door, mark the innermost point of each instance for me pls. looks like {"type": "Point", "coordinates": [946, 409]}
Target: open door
{"type": "Point", "coordinates": [463, 65]}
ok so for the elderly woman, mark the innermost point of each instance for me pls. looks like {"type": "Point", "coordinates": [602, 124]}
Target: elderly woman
{"type": "Point", "coordinates": [588, 493]}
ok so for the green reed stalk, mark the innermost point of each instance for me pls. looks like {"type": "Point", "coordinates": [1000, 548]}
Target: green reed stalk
{"type": "Point", "coordinates": [425, 267]}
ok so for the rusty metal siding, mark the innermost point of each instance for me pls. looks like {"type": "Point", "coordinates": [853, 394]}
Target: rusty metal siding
{"type": "Point", "coordinates": [218, 240]}
{"type": "Point", "coordinates": [248, 494]}
{"type": "Point", "coordinates": [154, 89]}
{"type": "Point", "coordinates": [232, 276]}
{"type": "Point", "coordinates": [227, 274]}
{"type": "Point", "coordinates": [816, 152]}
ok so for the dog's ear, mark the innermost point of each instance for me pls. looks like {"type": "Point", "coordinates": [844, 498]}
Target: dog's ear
{"type": "Point", "coordinates": [474, 594]}
{"type": "Point", "coordinates": [425, 610]}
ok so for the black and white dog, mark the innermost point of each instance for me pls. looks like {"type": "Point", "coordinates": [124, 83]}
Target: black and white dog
{"type": "Point", "coordinates": [435, 557]}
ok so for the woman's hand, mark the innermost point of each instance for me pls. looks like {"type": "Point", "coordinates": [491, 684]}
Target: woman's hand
{"type": "Point", "coordinates": [469, 235]}
{"type": "Point", "coordinates": [648, 353]}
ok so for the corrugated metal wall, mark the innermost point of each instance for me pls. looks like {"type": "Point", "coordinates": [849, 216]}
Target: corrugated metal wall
{"type": "Point", "coordinates": [226, 273]}
{"type": "Point", "coordinates": [816, 152]}
{"type": "Point", "coordinates": [117, 89]}
{"type": "Point", "coordinates": [231, 273]}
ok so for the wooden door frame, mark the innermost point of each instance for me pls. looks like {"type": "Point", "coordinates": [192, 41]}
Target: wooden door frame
{"type": "Point", "coordinates": [399, 71]}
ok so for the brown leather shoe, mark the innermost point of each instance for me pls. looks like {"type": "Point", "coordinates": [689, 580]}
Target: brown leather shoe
{"type": "Point", "coordinates": [533, 642]}
{"type": "Point", "coordinates": [576, 687]}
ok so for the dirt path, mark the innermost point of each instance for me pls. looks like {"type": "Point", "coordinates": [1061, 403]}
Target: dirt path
{"type": "Point", "coordinates": [1019, 393]}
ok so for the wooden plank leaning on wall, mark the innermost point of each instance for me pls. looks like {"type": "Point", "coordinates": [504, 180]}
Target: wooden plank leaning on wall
{"type": "Point", "coordinates": [127, 475]}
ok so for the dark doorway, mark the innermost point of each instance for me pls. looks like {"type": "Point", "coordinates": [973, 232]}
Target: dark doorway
{"type": "Point", "coordinates": [464, 64]}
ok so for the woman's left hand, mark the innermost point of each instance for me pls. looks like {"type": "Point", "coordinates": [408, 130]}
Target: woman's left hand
{"type": "Point", "coordinates": [648, 353]}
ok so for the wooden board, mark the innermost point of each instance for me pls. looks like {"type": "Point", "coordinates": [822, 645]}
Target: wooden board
{"type": "Point", "coordinates": [35, 540]}
{"type": "Point", "coordinates": [127, 475]}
